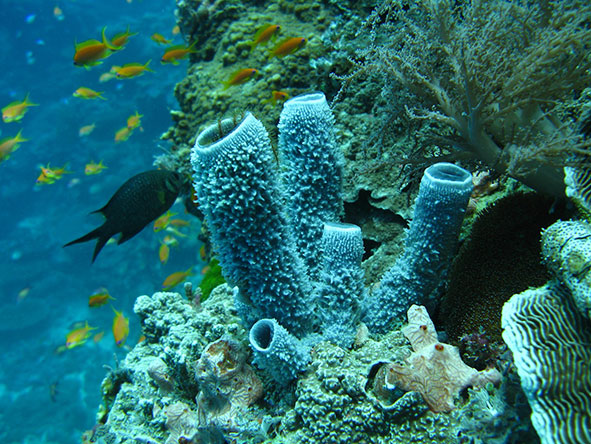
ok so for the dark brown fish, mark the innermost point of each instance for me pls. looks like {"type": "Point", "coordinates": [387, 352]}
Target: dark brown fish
{"type": "Point", "coordinates": [139, 201]}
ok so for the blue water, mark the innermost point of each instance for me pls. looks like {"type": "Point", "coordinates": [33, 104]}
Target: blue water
{"type": "Point", "coordinates": [36, 58]}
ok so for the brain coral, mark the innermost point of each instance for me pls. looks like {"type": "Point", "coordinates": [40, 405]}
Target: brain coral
{"type": "Point", "coordinates": [501, 257]}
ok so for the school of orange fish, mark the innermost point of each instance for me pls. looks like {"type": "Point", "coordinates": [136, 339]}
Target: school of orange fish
{"type": "Point", "coordinates": [91, 53]}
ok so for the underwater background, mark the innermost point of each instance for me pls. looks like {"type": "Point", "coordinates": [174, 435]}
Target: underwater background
{"type": "Point", "coordinates": [51, 395]}
{"type": "Point", "coordinates": [397, 194]}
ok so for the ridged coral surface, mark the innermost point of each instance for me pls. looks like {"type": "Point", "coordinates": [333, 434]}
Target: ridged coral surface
{"type": "Point", "coordinates": [551, 345]}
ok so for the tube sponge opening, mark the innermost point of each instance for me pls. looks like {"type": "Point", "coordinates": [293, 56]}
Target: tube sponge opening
{"type": "Point", "coordinates": [282, 355]}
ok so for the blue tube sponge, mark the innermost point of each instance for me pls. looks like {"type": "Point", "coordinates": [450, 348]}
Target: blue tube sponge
{"type": "Point", "coordinates": [341, 287]}
{"type": "Point", "coordinates": [239, 193]}
{"type": "Point", "coordinates": [282, 355]}
{"type": "Point", "coordinates": [429, 246]}
{"type": "Point", "coordinates": [312, 174]}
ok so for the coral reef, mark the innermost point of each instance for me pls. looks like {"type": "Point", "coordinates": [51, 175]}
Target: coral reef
{"type": "Point", "coordinates": [566, 250]}
{"type": "Point", "coordinates": [550, 343]}
{"type": "Point", "coordinates": [429, 246]}
{"type": "Point", "coordinates": [504, 80]}
{"type": "Point", "coordinates": [435, 369]}
{"type": "Point", "coordinates": [500, 257]}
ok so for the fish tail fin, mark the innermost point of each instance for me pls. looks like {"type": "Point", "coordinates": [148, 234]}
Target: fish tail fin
{"type": "Point", "coordinates": [191, 47]}
{"type": "Point", "coordinates": [26, 101]}
{"type": "Point", "coordinates": [106, 41]}
{"type": "Point", "coordinates": [97, 233]}
{"type": "Point", "coordinates": [19, 137]}
{"type": "Point", "coordinates": [146, 66]}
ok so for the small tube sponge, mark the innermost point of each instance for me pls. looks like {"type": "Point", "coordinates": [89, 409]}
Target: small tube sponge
{"type": "Point", "coordinates": [566, 250]}
{"type": "Point", "coordinates": [429, 246]}
{"type": "Point", "coordinates": [239, 193]}
{"type": "Point", "coordinates": [341, 287]}
{"type": "Point", "coordinates": [313, 172]}
{"type": "Point", "coordinates": [282, 355]}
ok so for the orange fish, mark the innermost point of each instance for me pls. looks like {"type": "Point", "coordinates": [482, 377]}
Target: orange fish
{"type": "Point", "coordinates": [106, 76]}
{"type": "Point", "coordinates": [180, 223]}
{"type": "Point", "coordinates": [9, 145]}
{"type": "Point", "coordinates": [96, 338]}
{"type": "Point", "coordinates": [120, 328]}
{"type": "Point", "coordinates": [277, 96]}
{"type": "Point", "coordinates": [130, 70]}
{"type": "Point", "coordinates": [15, 111]}
{"type": "Point", "coordinates": [78, 336]}
{"type": "Point", "coordinates": [50, 175]}
{"type": "Point", "coordinates": [202, 252]}
{"type": "Point", "coordinates": [159, 38]}
{"type": "Point", "coordinates": [176, 30]}
{"type": "Point", "coordinates": [99, 298]}
{"type": "Point", "coordinates": [120, 40]}
{"type": "Point", "coordinates": [174, 279]}
{"type": "Point", "coordinates": [58, 13]}
{"type": "Point", "coordinates": [239, 77]}
{"type": "Point", "coordinates": [90, 52]}
{"type": "Point", "coordinates": [86, 130]}
{"type": "Point", "coordinates": [21, 296]}
{"type": "Point", "coordinates": [163, 252]}
{"type": "Point", "coordinates": [170, 241]}
{"type": "Point", "coordinates": [87, 93]}
{"type": "Point", "coordinates": [122, 134]}
{"type": "Point", "coordinates": [288, 46]}
{"type": "Point", "coordinates": [263, 35]}
{"type": "Point", "coordinates": [134, 121]}
{"type": "Point", "coordinates": [162, 222]}
{"type": "Point", "coordinates": [173, 54]}
{"type": "Point", "coordinates": [92, 168]}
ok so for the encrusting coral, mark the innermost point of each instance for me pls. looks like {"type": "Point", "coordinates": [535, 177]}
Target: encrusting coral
{"type": "Point", "coordinates": [549, 332]}
{"type": "Point", "coordinates": [434, 369]}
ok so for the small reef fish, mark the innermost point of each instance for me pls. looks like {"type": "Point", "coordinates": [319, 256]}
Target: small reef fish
{"type": "Point", "coordinates": [171, 241]}
{"type": "Point", "coordinates": [288, 46]}
{"type": "Point", "coordinates": [51, 175]}
{"type": "Point", "coordinates": [130, 70]}
{"type": "Point", "coordinates": [239, 77]}
{"type": "Point", "coordinates": [160, 39]}
{"type": "Point", "coordinates": [176, 30]}
{"type": "Point", "coordinates": [53, 391]}
{"type": "Point", "coordinates": [134, 120]}
{"type": "Point", "coordinates": [9, 145]}
{"type": "Point", "coordinates": [58, 13]}
{"type": "Point", "coordinates": [139, 201]}
{"type": "Point", "coordinates": [173, 54]}
{"type": "Point", "coordinates": [202, 252]}
{"type": "Point", "coordinates": [15, 111]}
{"type": "Point", "coordinates": [92, 168]}
{"type": "Point", "coordinates": [22, 295]}
{"type": "Point", "coordinates": [120, 328]}
{"type": "Point", "coordinates": [87, 93]}
{"type": "Point", "coordinates": [174, 279]}
{"type": "Point", "coordinates": [90, 52]}
{"type": "Point", "coordinates": [277, 96]}
{"type": "Point", "coordinates": [163, 252]}
{"type": "Point", "coordinates": [106, 76]}
{"type": "Point", "coordinates": [263, 35]}
{"type": "Point", "coordinates": [78, 336]}
{"type": "Point", "coordinates": [99, 298]}
{"type": "Point", "coordinates": [162, 222]}
{"type": "Point", "coordinates": [86, 130]}
{"type": "Point", "coordinates": [122, 134]}
{"type": "Point", "coordinates": [120, 39]}
{"type": "Point", "coordinates": [179, 223]}
{"type": "Point", "coordinates": [97, 337]}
